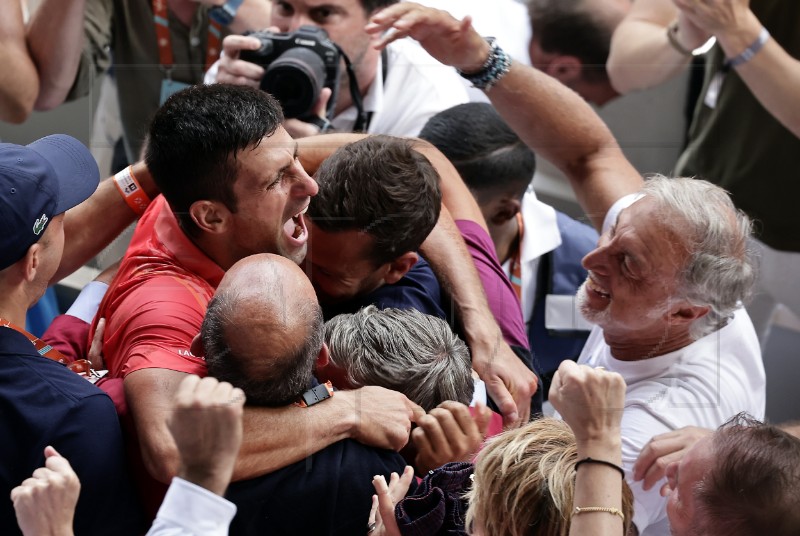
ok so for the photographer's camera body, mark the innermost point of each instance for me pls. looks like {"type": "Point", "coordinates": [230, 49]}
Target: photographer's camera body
{"type": "Point", "coordinates": [298, 65]}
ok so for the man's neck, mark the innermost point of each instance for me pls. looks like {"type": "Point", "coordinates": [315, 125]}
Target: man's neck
{"type": "Point", "coordinates": [506, 238]}
{"type": "Point", "coordinates": [626, 348]}
{"type": "Point", "coordinates": [13, 309]}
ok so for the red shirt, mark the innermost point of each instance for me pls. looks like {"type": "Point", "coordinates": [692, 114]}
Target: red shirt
{"type": "Point", "coordinates": [156, 303]}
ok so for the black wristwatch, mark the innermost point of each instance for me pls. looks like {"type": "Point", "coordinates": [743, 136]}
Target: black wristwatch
{"type": "Point", "coordinates": [225, 13]}
{"type": "Point", "coordinates": [315, 395]}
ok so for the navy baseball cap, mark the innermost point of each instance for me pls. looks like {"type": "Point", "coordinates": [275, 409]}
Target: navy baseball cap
{"type": "Point", "coordinates": [39, 181]}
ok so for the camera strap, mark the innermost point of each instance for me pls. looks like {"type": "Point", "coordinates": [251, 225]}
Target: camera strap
{"type": "Point", "coordinates": [363, 118]}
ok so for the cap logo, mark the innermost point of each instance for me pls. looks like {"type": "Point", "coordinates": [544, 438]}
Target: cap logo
{"type": "Point", "coordinates": [39, 224]}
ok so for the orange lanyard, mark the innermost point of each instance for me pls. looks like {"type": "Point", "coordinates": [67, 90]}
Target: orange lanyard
{"type": "Point", "coordinates": [80, 366]}
{"type": "Point", "coordinates": [165, 57]}
{"type": "Point", "coordinates": [516, 261]}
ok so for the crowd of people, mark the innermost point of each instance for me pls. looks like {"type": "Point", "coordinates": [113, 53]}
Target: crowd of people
{"type": "Point", "coordinates": [348, 321]}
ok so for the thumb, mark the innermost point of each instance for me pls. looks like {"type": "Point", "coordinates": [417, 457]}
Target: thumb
{"type": "Point", "coordinates": [505, 402]}
{"type": "Point", "coordinates": [321, 107]}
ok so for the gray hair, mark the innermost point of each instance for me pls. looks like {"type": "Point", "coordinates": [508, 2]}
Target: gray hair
{"type": "Point", "coordinates": [720, 271]}
{"type": "Point", "coordinates": [405, 350]}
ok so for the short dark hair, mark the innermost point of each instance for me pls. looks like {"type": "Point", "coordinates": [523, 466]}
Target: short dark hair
{"type": "Point", "coordinates": [382, 186]}
{"type": "Point", "coordinates": [754, 483]}
{"type": "Point", "coordinates": [570, 27]}
{"type": "Point", "coordinates": [287, 377]}
{"type": "Point", "coordinates": [195, 137]}
{"type": "Point", "coordinates": [487, 154]}
{"type": "Point", "coordinates": [371, 6]}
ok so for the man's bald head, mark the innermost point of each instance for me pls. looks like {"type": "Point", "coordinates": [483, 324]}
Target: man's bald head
{"type": "Point", "coordinates": [263, 330]}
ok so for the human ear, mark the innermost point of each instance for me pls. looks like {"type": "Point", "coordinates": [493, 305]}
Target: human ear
{"type": "Point", "coordinates": [400, 267]}
{"type": "Point", "coordinates": [210, 216]}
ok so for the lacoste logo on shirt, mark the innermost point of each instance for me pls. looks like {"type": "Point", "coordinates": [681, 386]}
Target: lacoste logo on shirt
{"type": "Point", "coordinates": [38, 225]}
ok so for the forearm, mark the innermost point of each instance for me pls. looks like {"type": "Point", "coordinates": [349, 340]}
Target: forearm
{"type": "Point", "coordinates": [641, 55]}
{"type": "Point", "coordinates": [277, 437]}
{"type": "Point", "coordinates": [56, 39]}
{"type": "Point", "coordinates": [568, 133]}
{"type": "Point", "coordinates": [448, 255]}
{"type": "Point", "coordinates": [313, 150]}
{"type": "Point", "coordinates": [598, 485]}
{"type": "Point", "coordinates": [252, 15]}
{"type": "Point", "coordinates": [93, 224]}
{"type": "Point", "coordinates": [772, 75]}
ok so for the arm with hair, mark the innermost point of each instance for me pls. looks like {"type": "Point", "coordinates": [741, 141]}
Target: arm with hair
{"type": "Point", "coordinates": [19, 83]}
{"type": "Point", "coordinates": [641, 55]}
{"type": "Point", "coordinates": [556, 122]}
{"type": "Point", "coordinates": [93, 224]}
{"type": "Point", "coordinates": [510, 383]}
{"type": "Point", "coordinates": [273, 437]}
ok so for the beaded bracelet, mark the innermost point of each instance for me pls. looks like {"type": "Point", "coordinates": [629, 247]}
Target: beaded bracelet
{"type": "Point", "coordinates": [601, 462]}
{"type": "Point", "coordinates": [494, 68]}
{"type": "Point", "coordinates": [131, 191]}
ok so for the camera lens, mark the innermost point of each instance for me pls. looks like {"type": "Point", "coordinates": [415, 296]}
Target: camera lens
{"type": "Point", "coordinates": [295, 79]}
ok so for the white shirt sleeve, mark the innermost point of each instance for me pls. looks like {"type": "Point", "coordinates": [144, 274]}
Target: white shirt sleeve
{"type": "Point", "coordinates": [88, 301]}
{"type": "Point", "coordinates": [190, 510]}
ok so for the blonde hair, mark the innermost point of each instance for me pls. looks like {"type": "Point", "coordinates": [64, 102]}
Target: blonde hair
{"type": "Point", "coordinates": [524, 482]}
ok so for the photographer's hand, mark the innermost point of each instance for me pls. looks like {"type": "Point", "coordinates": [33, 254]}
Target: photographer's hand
{"type": "Point", "coordinates": [232, 70]}
{"type": "Point", "coordinates": [299, 128]}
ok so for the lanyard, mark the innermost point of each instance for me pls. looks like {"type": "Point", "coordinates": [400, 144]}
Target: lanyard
{"type": "Point", "coordinates": [516, 261]}
{"type": "Point", "coordinates": [165, 57]}
{"type": "Point", "coordinates": [79, 366]}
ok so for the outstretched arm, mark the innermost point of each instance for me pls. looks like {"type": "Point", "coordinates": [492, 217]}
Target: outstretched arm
{"type": "Point", "coordinates": [92, 225]}
{"type": "Point", "coordinates": [19, 83]}
{"type": "Point", "coordinates": [549, 117]}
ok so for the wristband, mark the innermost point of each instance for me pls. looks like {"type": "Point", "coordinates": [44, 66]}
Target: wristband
{"type": "Point", "coordinates": [131, 191]}
{"type": "Point", "coordinates": [601, 462]}
{"type": "Point", "coordinates": [748, 53]}
{"type": "Point", "coordinates": [494, 68]}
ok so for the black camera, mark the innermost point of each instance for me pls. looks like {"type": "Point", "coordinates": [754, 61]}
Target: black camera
{"type": "Point", "coordinates": [298, 65]}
